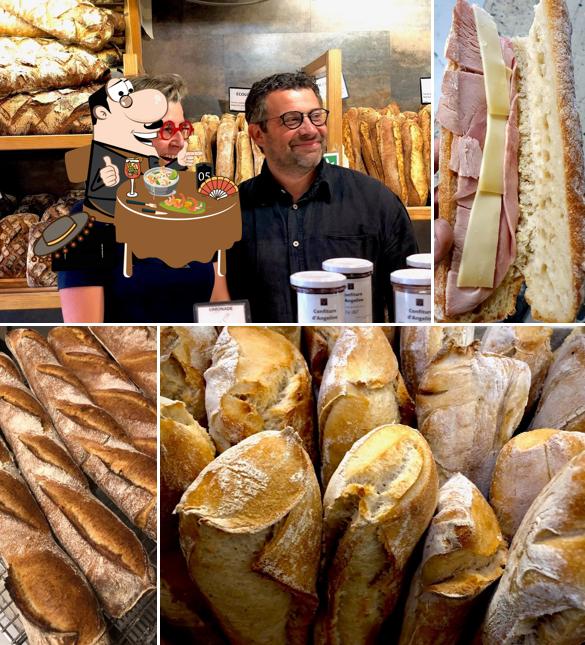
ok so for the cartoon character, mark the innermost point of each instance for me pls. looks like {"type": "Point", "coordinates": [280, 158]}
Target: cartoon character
{"type": "Point", "coordinates": [124, 124]}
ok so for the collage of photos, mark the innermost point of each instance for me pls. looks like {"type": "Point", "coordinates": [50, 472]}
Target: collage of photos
{"type": "Point", "coordinates": [292, 322]}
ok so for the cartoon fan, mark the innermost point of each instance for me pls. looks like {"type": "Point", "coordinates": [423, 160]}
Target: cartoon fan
{"type": "Point", "coordinates": [218, 187]}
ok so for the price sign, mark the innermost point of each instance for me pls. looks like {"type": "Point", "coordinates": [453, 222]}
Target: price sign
{"type": "Point", "coordinates": [238, 96]}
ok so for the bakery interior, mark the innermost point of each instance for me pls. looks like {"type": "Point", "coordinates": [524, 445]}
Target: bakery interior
{"type": "Point", "coordinates": [381, 47]}
{"type": "Point", "coordinates": [387, 484]}
{"type": "Point", "coordinates": [104, 590]}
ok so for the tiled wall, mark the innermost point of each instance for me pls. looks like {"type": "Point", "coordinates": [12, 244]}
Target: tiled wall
{"type": "Point", "coordinates": [385, 46]}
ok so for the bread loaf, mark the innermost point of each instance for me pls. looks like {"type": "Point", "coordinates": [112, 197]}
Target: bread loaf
{"type": "Point", "coordinates": [251, 530]}
{"type": "Point", "coordinates": [185, 450]}
{"type": "Point", "coordinates": [211, 123]}
{"type": "Point", "coordinates": [389, 139]}
{"type": "Point", "coordinates": [257, 381]}
{"type": "Point", "coordinates": [71, 21]}
{"type": "Point", "coordinates": [185, 354]}
{"type": "Point", "coordinates": [14, 231]}
{"type": "Point", "coordinates": [425, 120]}
{"type": "Point", "coordinates": [361, 390]}
{"type": "Point", "coordinates": [468, 406]}
{"type": "Point", "coordinates": [107, 384]}
{"type": "Point", "coordinates": [53, 599]}
{"type": "Point", "coordinates": [524, 343]}
{"type": "Point", "coordinates": [96, 442]}
{"type": "Point", "coordinates": [258, 158]}
{"type": "Point", "coordinates": [292, 332]}
{"type": "Point", "coordinates": [11, 25]}
{"type": "Point", "coordinates": [464, 553]}
{"type": "Point", "coordinates": [244, 158]}
{"type": "Point", "coordinates": [63, 111]}
{"type": "Point", "coordinates": [541, 596]}
{"type": "Point", "coordinates": [32, 64]}
{"type": "Point", "coordinates": [377, 505]}
{"type": "Point", "coordinates": [414, 163]}
{"type": "Point", "coordinates": [134, 348]}
{"type": "Point", "coordinates": [106, 551]}
{"type": "Point", "coordinates": [562, 403]}
{"type": "Point", "coordinates": [367, 119]}
{"type": "Point", "coordinates": [419, 345]}
{"type": "Point", "coordinates": [351, 140]}
{"type": "Point", "coordinates": [38, 203]}
{"type": "Point", "coordinates": [197, 143]}
{"type": "Point", "coordinates": [226, 139]}
{"type": "Point", "coordinates": [319, 342]}
{"type": "Point", "coordinates": [524, 467]}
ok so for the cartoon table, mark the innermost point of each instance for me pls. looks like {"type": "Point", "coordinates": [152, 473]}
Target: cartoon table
{"type": "Point", "coordinates": [175, 238]}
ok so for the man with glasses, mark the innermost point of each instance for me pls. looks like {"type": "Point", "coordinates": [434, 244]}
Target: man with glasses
{"type": "Point", "coordinates": [300, 211]}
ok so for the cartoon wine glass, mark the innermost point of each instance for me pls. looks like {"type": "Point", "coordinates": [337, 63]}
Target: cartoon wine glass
{"type": "Point", "coordinates": [132, 171]}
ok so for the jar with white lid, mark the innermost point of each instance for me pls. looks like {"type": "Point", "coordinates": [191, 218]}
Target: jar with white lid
{"type": "Point", "coordinates": [412, 295]}
{"type": "Point", "coordinates": [319, 296]}
{"type": "Point", "coordinates": [419, 261]}
{"type": "Point", "coordinates": [358, 289]}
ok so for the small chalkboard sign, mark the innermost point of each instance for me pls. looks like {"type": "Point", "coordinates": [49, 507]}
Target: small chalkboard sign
{"type": "Point", "coordinates": [203, 171]}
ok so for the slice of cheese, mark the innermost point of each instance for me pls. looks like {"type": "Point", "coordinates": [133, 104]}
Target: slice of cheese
{"type": "Point", "coordinates": [478, 261]}
{"type": "Point", "coordinates": [491, 174]}
{"type": "Point", "coordinates": [494, 68]}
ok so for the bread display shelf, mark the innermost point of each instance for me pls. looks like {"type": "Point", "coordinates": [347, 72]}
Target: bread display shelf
{"type": "Point", "coordinates": [16, 294]}
{"type": "Point", "coordinates": [132, 63]}
{"type": "Point", "coordinates": [418, 213]}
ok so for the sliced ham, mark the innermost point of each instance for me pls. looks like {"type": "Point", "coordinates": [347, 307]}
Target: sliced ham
{"type": "Point", "coordinates": [462, 44]}
{"type": "Point", "coordinates": [462, 106]}
{"type": "Point", "coordinates": [465, 157]}
{"type": "Point", "coordinates": [466, 189]}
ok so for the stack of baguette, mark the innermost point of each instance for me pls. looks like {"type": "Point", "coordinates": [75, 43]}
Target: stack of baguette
{"type": "Point", "coordinates": [61, 437]}
{"type": "Point", "coordinates": [392, 146]}
{"type": "Point", "coordinates": [226, 143]}
{"type": "Point", "coordinates": [52, 57]}
{"type": "Point", "coordinates": [417, 525]}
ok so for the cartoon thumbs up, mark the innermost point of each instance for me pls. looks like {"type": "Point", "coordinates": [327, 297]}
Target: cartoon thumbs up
{"type": "Point", "coordinates": [110, 174]}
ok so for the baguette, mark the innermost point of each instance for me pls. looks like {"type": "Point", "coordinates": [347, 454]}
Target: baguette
{"type": "Point", "coordinates": [185, 355]}
{"type": "Point", "coordinates": [33, 64]}
{"type": "Point", "coordinates": [319, 342]}
{"type": "Point", "coordinates": [71, 21]}
{"type": "Point", "coordinates": [351, 140]}
{"type": "Point", "coordinates": [361, 390]}
{"type": "Point", "coordinates": [106, 551]}
{"type": "Point", "coordinates": [367, 119]}
{"type": "Point", "coordinates": [541, 237]}
{"type": "Point", "coordinates": [562, 403]}
{"type": "Point", "coordinates": [197, 143]}
{"type": "Point", "coordinates": [55, 603]}
{"type": "Point", "coordinates": [250, 529]}
{"type": "Point", "coordinates": [524, 467]}
{"type": "Point", "coordinates": [257, 381]}
{"type": "Point", "coordinates": [425, 119]}
{"type": "Point", "coordinates": [528, 344]}
{"type": "Point", "coordinates": [96, 442]}
{"type": "Point", "coordinates": [414, 163]}
{"type": "Point", "coordinates": [541, 596]}
{"type": "Point", "coordinates": [376, 507]}
{"type": "Point", "coordinates": [107, 384]}
{"type": "Point", "coordinates": [134, 348]}
{"type": "Point", "coordinates": [468, 406]}
{"type": "Point", "coordinates": [226, 138]}
{"type": "Point", "coordinates": [244, 158]}
{"type": "Point", "coordinates": [258, 158]}
{"type": "Point", "coordinates": [464, 553]}
{"type": "Point", "coordinates": [419, 345]}
{"type": "Point", "coordinates": [11, 25]}
{"type": "Point", "coordinates": [389, 139]}
{"type": "Point", "coordinates": [211, 123]}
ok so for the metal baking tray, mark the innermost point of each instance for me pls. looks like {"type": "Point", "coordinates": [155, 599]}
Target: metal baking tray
{"type": "Point", "coordinates": [137, 627]}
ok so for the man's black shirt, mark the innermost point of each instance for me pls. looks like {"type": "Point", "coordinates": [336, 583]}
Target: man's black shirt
{"type": "Point", "coordinates": [343, 214]}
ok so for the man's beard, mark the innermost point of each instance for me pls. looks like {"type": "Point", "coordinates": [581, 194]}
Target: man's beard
{"type": "Point", "coordinates": [307, 161]}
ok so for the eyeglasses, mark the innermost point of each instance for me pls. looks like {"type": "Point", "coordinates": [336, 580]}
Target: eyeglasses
{"type": "Point", "coordinates": [293, 120]}
{"type": "Point", "coordinates": [169, 129]}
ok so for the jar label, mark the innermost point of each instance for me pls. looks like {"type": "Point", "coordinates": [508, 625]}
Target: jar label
{"type": "Point", "coordinates": [411, 307]}
{"type": "Point", "coordinates": [320, 308]}
{"type": "Point", "coordinates": [358, 300]}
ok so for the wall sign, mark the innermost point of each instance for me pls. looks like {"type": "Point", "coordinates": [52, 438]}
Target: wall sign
{"type": "Point", "coordinates": [332, 158]}
{"type": "Point", "coordinates": [322, 85]}
{"type": "Point", "coordinates": [425, 90]}
{"type": "Point", "coordinates": [238, 96]}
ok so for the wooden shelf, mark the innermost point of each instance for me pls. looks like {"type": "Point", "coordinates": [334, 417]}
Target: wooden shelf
{"type": "Point", "coordinates": [15, 294]}
{"type": "Point", "coordinates": [419, 213]}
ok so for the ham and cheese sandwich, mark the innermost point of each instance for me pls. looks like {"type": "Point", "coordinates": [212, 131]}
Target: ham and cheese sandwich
{"type": "Point", "coordinates": [511, 170]}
